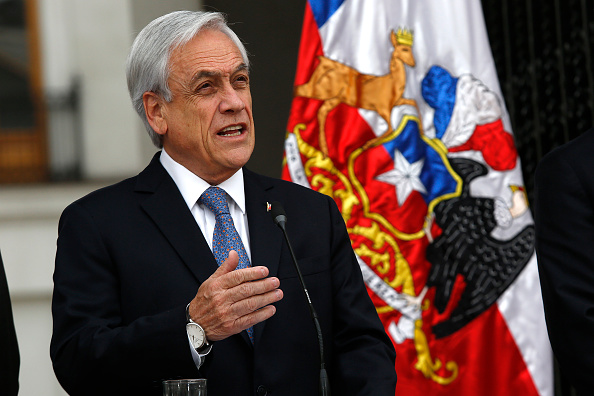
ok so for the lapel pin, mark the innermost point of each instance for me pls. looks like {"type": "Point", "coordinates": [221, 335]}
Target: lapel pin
{"type": "Point", "coordinates": [268, 207]}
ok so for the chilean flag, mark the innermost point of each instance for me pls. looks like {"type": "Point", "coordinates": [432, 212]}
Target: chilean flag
{"type": "Point", "coordinates": [398, 115]}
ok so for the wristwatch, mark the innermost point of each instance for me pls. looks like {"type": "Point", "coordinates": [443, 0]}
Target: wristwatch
{"type": "Point", "coordinates": [197, 337]}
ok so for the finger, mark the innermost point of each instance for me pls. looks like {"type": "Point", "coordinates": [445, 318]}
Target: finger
{"type": "Point", "coordinates": [255, 317]}
{"type": "Point", "coordinates": [227, 266]}
{"type": "Point", "coordinates": [243, 275]}
{"type": "Point", "coordinates": [242, 323]}
{"type": "Point", "coordinates": [230, 279]}
{"type": "Point", "coordinates": [252, 304]}
{"type": "Point", "coordinates": [254, 288]}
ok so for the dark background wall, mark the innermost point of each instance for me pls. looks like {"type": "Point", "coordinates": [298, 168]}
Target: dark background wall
{"type": "Point", "coordinates": [543, 52]}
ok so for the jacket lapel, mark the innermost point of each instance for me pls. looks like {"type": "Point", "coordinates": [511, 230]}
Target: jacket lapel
{"type": "Point", "coordinates": [266, 238]}
{"type": "Point", "coordinates": [167, 208]}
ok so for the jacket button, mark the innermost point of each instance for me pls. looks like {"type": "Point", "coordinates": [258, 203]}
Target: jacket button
{"type": "Point", "coordinates": [262, 391]}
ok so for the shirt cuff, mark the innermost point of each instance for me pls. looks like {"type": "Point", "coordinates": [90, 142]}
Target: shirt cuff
{"type": "Point", "coordinates": [198, 360]}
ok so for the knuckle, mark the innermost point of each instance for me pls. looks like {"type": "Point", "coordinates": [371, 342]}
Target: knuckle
{"type": "Point", "coordinates": [229, 327]}
{"type": "Point", "coordinates": [236, 277]}
{"type": "Point", "coordinates": [245, 289]}
{"type": "Point", "coordinates": [207, 294]}
{"type": "Point", "coordinates": [252, 304]}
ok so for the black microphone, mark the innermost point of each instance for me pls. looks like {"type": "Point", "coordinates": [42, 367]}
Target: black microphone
{"type": "Point", "coordinates": [280, 218]}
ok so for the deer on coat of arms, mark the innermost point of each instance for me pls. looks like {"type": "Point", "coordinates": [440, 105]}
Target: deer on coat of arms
{"type": "Point", "coordinates": [333, 83]}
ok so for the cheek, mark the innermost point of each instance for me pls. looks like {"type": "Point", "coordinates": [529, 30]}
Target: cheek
{"type": "Point", "coordinates": [196, 128]}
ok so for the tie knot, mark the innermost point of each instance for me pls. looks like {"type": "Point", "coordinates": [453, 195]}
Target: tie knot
{"type": "Point", "coordinates": [214, 198]}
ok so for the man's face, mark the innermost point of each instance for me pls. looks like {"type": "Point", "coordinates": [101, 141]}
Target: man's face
{"type": "Point", "coordinates": [208, 125]}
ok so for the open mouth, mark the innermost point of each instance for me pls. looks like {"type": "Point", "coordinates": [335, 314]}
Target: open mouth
{"type": "Point", "coordinates": [230, 131]}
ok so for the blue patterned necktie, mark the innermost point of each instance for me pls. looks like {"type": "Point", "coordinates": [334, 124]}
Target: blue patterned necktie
{"type": "Point", "coordinates": [225, 237]}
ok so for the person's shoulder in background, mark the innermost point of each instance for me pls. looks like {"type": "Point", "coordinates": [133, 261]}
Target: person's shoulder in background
{"type": "Point", "coordinates": [9, 357]}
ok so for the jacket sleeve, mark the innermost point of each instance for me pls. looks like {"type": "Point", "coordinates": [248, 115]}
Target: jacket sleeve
{"type": "Point", "coordinates": [93, 349]}
{"type": "Point", "coordinates": [564, 219]}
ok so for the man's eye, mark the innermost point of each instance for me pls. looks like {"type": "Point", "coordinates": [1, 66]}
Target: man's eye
{"type": "Point", "coordinates": [204, 87]}
{"type": "Point", "coordinates": [242, 80]}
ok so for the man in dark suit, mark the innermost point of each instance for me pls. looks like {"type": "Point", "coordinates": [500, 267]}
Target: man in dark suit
{"type": "Point", "coordinates": [9, 357]}
{"type": "Point", "coordinates": [564, 217]}
{"type": "Point", "coordinates": [141, 291]}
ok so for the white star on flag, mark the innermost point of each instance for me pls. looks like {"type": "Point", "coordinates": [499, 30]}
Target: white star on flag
{"type": "Point", "coordinates": [405, 176]}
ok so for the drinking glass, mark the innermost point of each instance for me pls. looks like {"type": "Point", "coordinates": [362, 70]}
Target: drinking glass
{"type": "Point", "coordinates": [184, 387]}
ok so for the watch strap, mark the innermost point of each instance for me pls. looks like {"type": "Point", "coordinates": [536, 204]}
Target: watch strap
{"type": "Point", "coordinates": [188, 318]}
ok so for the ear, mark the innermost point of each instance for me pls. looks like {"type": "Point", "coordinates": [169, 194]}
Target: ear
{"type": "Point", "coordinates": [394, 39]}
{"type": "Point", "coordinates": [154, 110]}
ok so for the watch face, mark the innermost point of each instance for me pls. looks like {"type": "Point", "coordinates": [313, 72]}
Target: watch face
{"type": "Point", "coordinates": [196, 335]}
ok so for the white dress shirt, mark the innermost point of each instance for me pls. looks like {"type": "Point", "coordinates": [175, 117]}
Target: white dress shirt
{"type": "Point", "coordinates": [191, 188]}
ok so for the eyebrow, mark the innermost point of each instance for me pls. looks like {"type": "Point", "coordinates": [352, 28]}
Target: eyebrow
{"type": "Point", "coordinates": [207, 73]}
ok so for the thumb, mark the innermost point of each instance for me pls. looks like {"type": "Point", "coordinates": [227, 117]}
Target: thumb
{"type": "Point", "coordinates": [228, 265]}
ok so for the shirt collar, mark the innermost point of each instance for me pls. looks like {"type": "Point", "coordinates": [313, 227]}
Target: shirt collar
{"type": "Point", "coordinates": [192, 186]}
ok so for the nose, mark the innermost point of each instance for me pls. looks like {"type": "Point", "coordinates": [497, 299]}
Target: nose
{"type": "Point", "coordinates": [231, 101]}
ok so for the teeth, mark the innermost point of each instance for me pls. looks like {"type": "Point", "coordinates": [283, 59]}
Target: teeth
{"type": "Point", "coordinates": [229, 131]}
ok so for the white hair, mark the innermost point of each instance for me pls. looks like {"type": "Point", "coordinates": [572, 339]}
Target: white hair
{"type": "Point", "coordinates": [147, 67]}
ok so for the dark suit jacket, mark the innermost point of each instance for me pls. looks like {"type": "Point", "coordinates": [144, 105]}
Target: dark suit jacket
{"type": "Point", "coordinates": [564, 216]}
{"type": "Point", "coordinates": [131, 256]}
{"type": "Point", "coordinates": [9, 349]}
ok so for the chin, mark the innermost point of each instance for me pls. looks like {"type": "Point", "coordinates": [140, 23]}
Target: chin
{"type": "Point", "coordinates": [237, 162]}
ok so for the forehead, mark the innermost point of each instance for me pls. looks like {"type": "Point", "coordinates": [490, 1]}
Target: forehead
{"type": "Point", "coordinates": [211, 51]}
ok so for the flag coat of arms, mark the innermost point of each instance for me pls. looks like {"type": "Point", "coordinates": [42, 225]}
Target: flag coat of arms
{"type": "Point", "coordinates": [398, 115]}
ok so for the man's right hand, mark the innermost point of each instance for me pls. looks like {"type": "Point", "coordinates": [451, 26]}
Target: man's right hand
{"type": "Point", "coordinates": [230, 300]}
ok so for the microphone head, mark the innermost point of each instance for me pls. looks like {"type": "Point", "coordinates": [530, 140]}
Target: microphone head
{"type": "Point", "coordinates": [278, 213]}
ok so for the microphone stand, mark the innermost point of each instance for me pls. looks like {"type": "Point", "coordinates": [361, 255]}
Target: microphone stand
{"type": "Point", "coordinates": [279, 217]}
